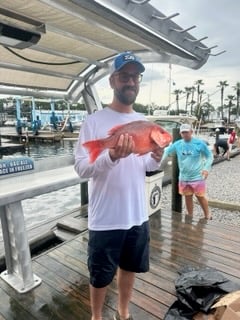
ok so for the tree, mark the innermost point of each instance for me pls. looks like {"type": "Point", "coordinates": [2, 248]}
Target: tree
{"type": "Point", "coordinates": [198, 112]}
{"type": "Point", "coordinates": [201, 93]}
{"type": "Point", "coordinates": [222, 85]}
{"type": "Point", "coordinates": [230, 99]}
{"type": "Point", "coordinates": [237, 89]}
{"type": "Point", "coordinates": [198, 83]}
{"type": "Point", "coordinates": [206, 110]}
{"type": "Point", "coordinates": [177, 92]}
{"type": "Point", "coordinates": [140, 108]}
{"type": "Point", "coordinates": [193, 89]}
{"type": "Point", "coordinates": [188, 91]}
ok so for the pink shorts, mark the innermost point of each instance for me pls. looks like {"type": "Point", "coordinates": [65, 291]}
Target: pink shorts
{"type": "Point", "coordinates": [187, 188]}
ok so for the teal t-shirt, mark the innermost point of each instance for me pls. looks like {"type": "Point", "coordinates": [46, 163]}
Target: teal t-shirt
{"type": "Point", "coordinates": [193, 157]}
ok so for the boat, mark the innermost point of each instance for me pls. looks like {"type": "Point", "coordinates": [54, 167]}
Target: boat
{"type": "Point", "coordinates": [216, 125]}
{"type": "Point", "coordinates": [169, 122]}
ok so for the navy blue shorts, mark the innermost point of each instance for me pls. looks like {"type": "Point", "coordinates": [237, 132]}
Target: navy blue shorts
{"type": "Point", "coordinates": [108, 250]}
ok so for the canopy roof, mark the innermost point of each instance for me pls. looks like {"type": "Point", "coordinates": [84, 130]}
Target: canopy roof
{"type": "Point", "coordinates": [75, 41]}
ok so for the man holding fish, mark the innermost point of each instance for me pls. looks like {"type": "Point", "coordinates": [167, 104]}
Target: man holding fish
{"type": "Point", "coordinates": [115, 149]}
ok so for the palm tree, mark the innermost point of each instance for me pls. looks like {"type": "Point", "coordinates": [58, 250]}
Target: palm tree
{"type": "Point", "coordinates": [201, 92]}
{"type": "Point", "coordinates": [177, 92]}
{"type": "Point", "coordinates": [199, 107]}
{"type": "Point", "coordinates": [193, 89]}
{"type": "Point", "coordinates": [237, 89]}
{"type": "Point", "coordinates": [230, 99]}
{"type": "Point", "coordinates": [222, 85]}
{"type": "Point", "coordinates": [188, 91]}
{"type": "Point", "coordinates": [198, 83]}
{"type": "Point", "coordinates": [206, 110]}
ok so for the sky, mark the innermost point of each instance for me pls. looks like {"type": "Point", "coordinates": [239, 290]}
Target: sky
{"type": "Point", "coordinates": [219, 20]}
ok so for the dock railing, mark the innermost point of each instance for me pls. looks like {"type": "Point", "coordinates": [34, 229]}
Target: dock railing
{"type": "Point", "coordinates": [14, 189]}
{"type": "Point", "coordinates": [22, 179]}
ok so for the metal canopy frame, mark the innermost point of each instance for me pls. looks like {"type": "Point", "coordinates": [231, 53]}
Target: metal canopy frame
{"type": "Point", "coordinates": [79, 40]}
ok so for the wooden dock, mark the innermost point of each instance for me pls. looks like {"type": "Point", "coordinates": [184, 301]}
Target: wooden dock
{"type": "Point", "coordinates": [29, 136]}
{"type": "Point", "coordinates": [42, 136]}
{"type": "Point", "coordinates": [175, 242]}
{"type": "Point", "coordinates": [10, 148]}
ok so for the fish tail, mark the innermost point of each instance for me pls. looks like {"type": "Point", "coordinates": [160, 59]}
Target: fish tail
{"type": "Point", "coordinates": [94, 147]}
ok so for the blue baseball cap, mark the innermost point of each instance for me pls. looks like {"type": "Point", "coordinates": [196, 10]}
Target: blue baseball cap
{"type": "Point", "coordinates": [124, 58]}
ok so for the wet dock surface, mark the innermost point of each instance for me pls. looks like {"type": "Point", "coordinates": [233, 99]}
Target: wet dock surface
{"type": "Point", "coordinates": [176, 241]}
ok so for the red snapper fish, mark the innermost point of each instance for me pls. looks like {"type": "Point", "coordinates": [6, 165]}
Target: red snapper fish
{"type": "Point", "coordinates": [147, 137]}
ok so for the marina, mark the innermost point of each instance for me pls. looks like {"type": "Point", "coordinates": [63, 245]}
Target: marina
{"type": "Point", "coordinates": [175, 243]}
{"type": "Point", "coordinates": [58, 249]}
{"type": "Point", "coordinates": [49, 79]}
{"type": "Point", "coordinates": [11, 148]}
{"type": "Point", "coordinates": [43, 136]}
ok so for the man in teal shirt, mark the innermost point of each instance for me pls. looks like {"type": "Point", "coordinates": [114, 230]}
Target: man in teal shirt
{"type": "Point", "coordinates": [194, 162]}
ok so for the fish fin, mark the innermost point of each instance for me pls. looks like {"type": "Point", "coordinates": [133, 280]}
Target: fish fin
{"type": "Point", "coordinates": [114, 129]}
{"type": "Point", "coordinates": [161, 139]}
{"type": "Point", "coordinates": [94, 148]}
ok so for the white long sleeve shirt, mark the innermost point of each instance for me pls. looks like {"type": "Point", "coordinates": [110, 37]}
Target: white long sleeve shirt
{"type": "Point", "coordinates": [116, 189]}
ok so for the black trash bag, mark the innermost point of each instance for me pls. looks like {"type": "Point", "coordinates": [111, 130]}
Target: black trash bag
{"type": "Point", "coordinates": [197, 290]}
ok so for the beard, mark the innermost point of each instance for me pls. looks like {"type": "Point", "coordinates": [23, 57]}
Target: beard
{"type": "Point", "coordinates": [125, 96]}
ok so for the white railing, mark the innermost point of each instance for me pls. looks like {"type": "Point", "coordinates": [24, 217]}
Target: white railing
{"type": "Point", "coordinates": [13, 190]}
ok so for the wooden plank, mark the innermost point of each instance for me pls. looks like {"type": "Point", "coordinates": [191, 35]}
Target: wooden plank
{"type": "Point", "coordinates": [44, 229]}
{"type": "Point", "coordinates": [185, 247]}
{"type": "Point", "coordinates": [63, 235]}
{"type": "Point", "coordinates": [72, 284]}
{"type": "Point", "coordinates": [76, 259]}
{"type": "Point", "coordinates": [72, 224]}
{"type": "Point", "coordinates": [194, 239]}
{"type": "Point", "coordinates": [69, 262]}
{"type": "Point", "coordinates": [176, 242]}
{"type": "Point", "coordinates": [46, 303]}
{"type": "Point", "coordinates": [11, 308]}
{"type": "Point", "coordinates": [155, 305]}
{"type": "Point", "coordinates": [75, 291]}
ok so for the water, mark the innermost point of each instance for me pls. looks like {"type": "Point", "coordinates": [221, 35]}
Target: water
{"type": "Point", "coordinates": [39, 151]}
{"type": "Point", "coordinates": [51, 205]}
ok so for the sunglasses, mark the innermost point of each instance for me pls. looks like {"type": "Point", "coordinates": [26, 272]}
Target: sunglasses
{"type": "Point", "coordinates": [124, 77]}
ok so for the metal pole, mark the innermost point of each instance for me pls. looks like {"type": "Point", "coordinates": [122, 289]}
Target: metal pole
{"type": "Point", "coordinates": [217, 131]}
{"type": "Point", "coordinates": [33, 109]}
{"type": "Point", "coordinates": [18, 108]}
{"type": "Point", "coordinates": [176, 197]}
{"type": "Point", "coordinates": [84, 193]}
{"type": "Point", "coordinates": [52, 104]}
{"type": "Point", "coordinates": [169, 85]}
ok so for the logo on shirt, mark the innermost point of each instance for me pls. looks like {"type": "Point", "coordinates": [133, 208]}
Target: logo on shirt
{"type": "Point", "coordinates": [155, 197]}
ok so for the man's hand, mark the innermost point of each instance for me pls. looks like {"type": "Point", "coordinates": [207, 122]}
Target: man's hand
{"type": "Point", "coordinates": [124, 147]}
{"type": "Point", "coordinates": [204, 174]}
{"type": "Point", "coordinates": [157, 154]}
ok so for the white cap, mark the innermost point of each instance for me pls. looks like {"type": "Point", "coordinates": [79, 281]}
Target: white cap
{"type": "Point", "coordinates": [185, 127]}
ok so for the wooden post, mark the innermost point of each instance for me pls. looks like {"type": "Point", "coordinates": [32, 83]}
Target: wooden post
{"type": "Point", "coordinates": [176, 197]}
{"type": "Point", "coordinates": [84, 193]}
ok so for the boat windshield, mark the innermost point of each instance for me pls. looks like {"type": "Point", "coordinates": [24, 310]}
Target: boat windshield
{"type": "Point", "coordinates": [168, 125]}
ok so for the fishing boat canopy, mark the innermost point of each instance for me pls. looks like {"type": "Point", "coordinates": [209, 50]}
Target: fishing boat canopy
{"type": "Point", "coordinates": [60, 49]}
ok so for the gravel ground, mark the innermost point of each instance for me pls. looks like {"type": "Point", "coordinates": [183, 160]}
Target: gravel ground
{"type": "Point", "coordinates": [223, 184]}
